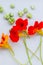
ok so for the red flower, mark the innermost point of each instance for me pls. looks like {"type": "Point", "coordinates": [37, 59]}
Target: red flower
{"type": "Point", "coordinates": [31, 30]}
{"type": "Point", "coordinates": [40, 26]}
{"type": "Point", "coordinates": [21, 24]}
{"type": "Point", "coordinates": [14, 34]}
{"type": "Point", "coordinates": [36, 24]}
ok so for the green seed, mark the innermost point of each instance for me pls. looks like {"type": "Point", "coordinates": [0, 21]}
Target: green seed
{"type": "Point", "coordinates": [32, 7]}
{"type": "Point", "coordinates": [11, 14]}
{"type": "Point", "coordinates": [29, 15]}
{"type": "Point", "coordinates": [25, 10]}
{"type": "Point", "coordinates": [1, 9]}
{"type": "Point", "coordinates": [7, 16]}
{"type": "Point", "coordinates": [12, 6]}
{"type": "Point", "coordinates": [20, 14]}
{"type": "Point", "coordinates": [11, 20]}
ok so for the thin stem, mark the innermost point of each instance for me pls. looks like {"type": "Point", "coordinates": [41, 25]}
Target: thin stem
{"type": "Point", "coordinates": [13, 54]}
{"type": "Point", "coordinates": [41, 50]}
{"type": "Point", "coordinates": [33, 54]}
{"type": "Point", "coordinates": [11, 50]}
{"type": "Point", "coordinates": [16, 59]}
{"type": "Point", "coordinates": [29, 60]}
{"type": "Point", "coordinates": [36, 50]}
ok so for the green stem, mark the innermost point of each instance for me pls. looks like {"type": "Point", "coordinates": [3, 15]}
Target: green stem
{"type": "Point", "coordinates": [16, 59]}
{"type": "Point", "coordinates": [41, 50]}
{"type": "Point", "coordinates": [33, 54]}
{"type": "Point", "coordinates": [11, 50]}
{"type": "Point", "coordinates": [13, 54]}
{"type": "Point", "coordinates": [36, 50]}
{"type": "Point", "coordinates": [27, 51]}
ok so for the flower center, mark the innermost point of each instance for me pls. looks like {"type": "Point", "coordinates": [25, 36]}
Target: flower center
{"type": "Point", "coordinates": [22, 25]}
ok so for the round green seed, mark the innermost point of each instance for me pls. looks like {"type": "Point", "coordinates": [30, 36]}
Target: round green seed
{"type": "Point", "coordinates": [20, 14]}
{"type": "Point", "coordinates": [32, 7]}
{"type": "Point", "coordinates": [12, 6]}
{"type": "Point", "coordinates": [7, 16]}
{"type": "Point", "coordinates": [11, 14]}
{"type": "Point", "coordinates": [11, 20]}
{"type": "Point", "coordinates": [25, 10]}
{"type": "Point", "coordinates": [29, 15]}
{"type": "Point", "coordinates": [1, 9]}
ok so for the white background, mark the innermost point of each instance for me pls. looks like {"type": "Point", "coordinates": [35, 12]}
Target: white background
{"type": "Point", "coordinates": [33, 42]}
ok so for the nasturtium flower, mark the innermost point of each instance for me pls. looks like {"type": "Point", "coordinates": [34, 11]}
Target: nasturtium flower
{"type": "Point", "coordinates": [36, 27]}
{"type": "Point", "coordinates": [31, 30]}
{"type": "Point", "coordinates": [21, 24]}
{"type": "Point", "coordinates": [14, 35]}
{"type": "Point", "coordinates": [4, 43]}
{"type": "Point", "coordinates": [36, 24]}
{"type": "Point", "coordinates": [40, 26]}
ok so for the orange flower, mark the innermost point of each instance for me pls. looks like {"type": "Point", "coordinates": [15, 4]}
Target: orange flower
{"type": "Point", "coordinates": [4, 43]}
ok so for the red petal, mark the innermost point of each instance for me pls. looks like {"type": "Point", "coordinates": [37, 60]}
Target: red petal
{"type": "Point", "coordinates": [14, 38]}
{"type": "Point", "coordinates": [31, 30]}
{"type": "Point", "coordinates": [36, 24]}
{"type": "Point", "coordinates": [22, 24]}
{"type": "Point", "coordinates": [18, 21]}
{"type": "Point", "coordinates": [26, 21]}
{"type": "Point", "coordinates": [40, 26]}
